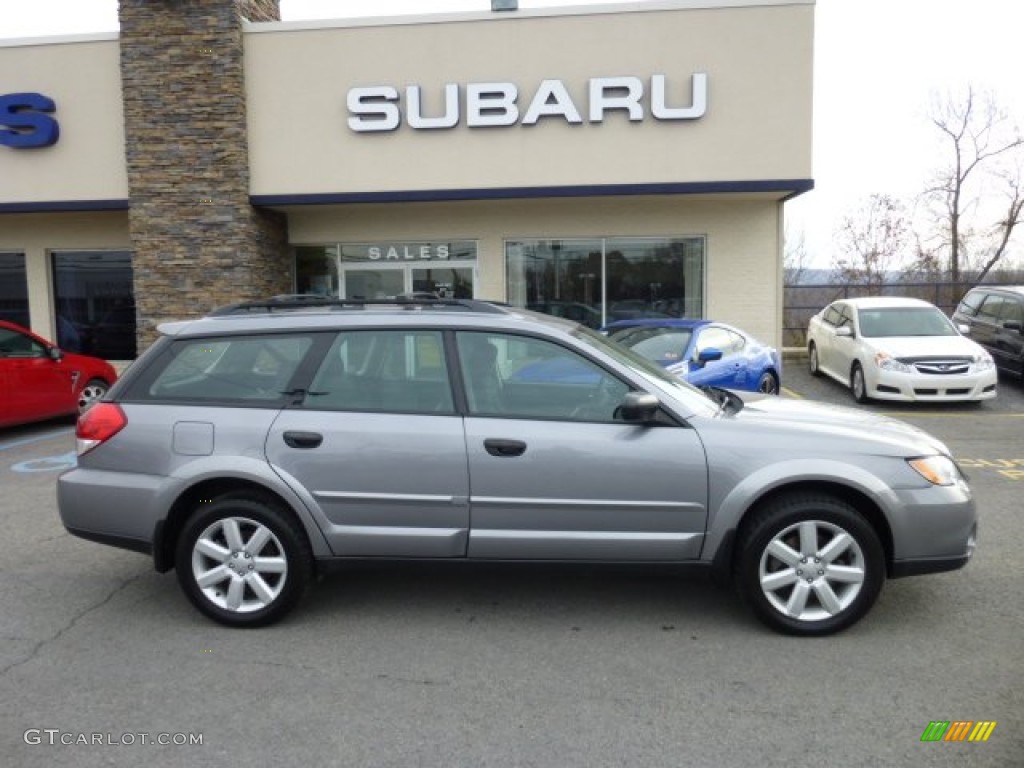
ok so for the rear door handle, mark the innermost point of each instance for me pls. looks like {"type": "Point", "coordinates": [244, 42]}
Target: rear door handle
{"type": "Point", "coordinates": [497, 447]}
{"type": "Point", "coordinates": [303, 439]}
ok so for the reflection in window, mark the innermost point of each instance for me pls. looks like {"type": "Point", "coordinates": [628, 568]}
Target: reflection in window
{"type": "Point", "coordinates": [392, 371]}
{"type": "Point", "coordinates": [13, 289]}
{"type": "Point", "coordinates": [527, 378]}
{"type": "Point", "coordinates": [233, 369]}
{"type": "Point", "coordinates": [597, 281]}
{"type": "Point", "coordinates": [95, 303]}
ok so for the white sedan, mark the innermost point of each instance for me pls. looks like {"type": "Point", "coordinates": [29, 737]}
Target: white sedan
{"type": "Point", "coordinates": [898, 349]}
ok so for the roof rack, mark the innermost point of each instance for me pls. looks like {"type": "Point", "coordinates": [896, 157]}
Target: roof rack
{"type": "Point", "coordinates": [294, 301]}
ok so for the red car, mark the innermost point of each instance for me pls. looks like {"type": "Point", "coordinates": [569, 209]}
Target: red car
{"type": "Point", "coordinates": [40, 381]}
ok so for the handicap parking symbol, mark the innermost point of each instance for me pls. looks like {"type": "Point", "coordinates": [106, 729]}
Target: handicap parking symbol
{"type": "Point", "coordinates": [56, 463]}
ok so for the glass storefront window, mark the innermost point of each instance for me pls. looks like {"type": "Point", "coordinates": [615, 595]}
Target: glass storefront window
{"type": "Point", "coordinates": [94, 303]}
{"type": "Point", "coordinates": [13, 289]}
{"type": "Point", "coordinates": [597, 281]}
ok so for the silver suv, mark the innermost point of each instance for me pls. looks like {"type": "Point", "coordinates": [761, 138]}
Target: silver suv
{"type": "Point", "coordinates": [255, 447]}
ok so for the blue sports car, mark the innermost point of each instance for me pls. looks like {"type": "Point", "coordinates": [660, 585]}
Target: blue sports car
{"type": "Point", "coordinates": [705, 353]}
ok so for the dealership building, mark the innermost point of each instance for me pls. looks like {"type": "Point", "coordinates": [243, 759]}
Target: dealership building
{"type": "Point", "coordinates": [595, 162]}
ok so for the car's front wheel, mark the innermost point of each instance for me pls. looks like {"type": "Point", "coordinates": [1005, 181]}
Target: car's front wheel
{"type": "Point", "coordinates": [858, 385]}
{"type": "Point", "coordinates": [243, 561]}
{"type": "Point", "coordinates": [809, 564]}
{"type": "Point", "coordinates": [812, 359]}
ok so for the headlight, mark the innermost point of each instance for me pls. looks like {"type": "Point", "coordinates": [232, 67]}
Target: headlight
{"type": "Point", "coordinates": [983, 362]}
{"type": "Point", "coordinates": [888, 363]}
{"type": "Point", "coordinates": [937, 470]}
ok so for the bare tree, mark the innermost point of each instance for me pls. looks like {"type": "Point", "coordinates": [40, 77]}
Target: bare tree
{"type": "Point", "coordinates": [795, 259]}
{"type": "Point", "coordinates": [872, 241]}
{"type": "Point", "coordinates": [977, 196]}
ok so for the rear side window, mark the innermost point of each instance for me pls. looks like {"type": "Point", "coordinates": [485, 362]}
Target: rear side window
{"type": "Point", "coordinates": [242, 369]}
{"type": "Point", "coordinates": [397, 371]}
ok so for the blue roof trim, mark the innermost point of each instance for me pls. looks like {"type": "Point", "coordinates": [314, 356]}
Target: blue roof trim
{"type": "Point", "coordinates": [793, 187]}
{"type": "Point", "coordinates": [64, 206]}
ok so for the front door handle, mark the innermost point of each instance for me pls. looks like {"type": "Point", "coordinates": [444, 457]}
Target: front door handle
{"type": "Point", "coordinates": [303, 439]}
{"type": "Point", "coordinates": [497, 447]}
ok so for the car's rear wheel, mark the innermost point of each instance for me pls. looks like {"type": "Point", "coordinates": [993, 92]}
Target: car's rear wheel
{"type": "Point", "coordinates": [93, 391]}
{"type": "Point", "coordinates": [809, 564]}
{"type": "Point", "coordinates": [812, 359]}
{"type": "Point", "coordinates": [858, 386]}
{"type": "Point", "coordinates": [768, 384]}
{"type": "Point", "coordinates": [243, 561]}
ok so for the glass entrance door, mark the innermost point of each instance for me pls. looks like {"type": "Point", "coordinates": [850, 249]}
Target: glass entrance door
{"type": "Point", "coordinates": [451, 281]}
{"type": "Point", "coordinates": [448, 282]}
{"type": "Point", "coordinates": [378, 283]}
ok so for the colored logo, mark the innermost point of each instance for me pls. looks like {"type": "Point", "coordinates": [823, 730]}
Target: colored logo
{"type": "Point", "coordinates": [958, 730]}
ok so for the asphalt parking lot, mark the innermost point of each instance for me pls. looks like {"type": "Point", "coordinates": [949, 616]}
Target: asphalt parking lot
{"type": "Point", "coordinates": [504, 666]}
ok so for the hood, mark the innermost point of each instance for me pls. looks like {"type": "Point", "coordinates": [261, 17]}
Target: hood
{"type": "Point", "coordinates": [890, 436]}
{"type": "Point", "coordinates": [925, 346]}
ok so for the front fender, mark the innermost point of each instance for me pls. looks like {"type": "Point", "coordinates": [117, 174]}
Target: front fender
{"type": "Point", "coordinates": [730, 503]}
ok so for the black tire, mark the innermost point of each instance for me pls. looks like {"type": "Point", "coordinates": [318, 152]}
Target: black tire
{"type": "Point", "coordinates": [812, 360]}
{"type": "Point", "coordinates": [827, 591]}
{"type": "Point", "coordinates": [768, 384]}
{"type": "Point", "coordinates": [858, 386]}
{"type": "Point", "coordinates": [239, 592]}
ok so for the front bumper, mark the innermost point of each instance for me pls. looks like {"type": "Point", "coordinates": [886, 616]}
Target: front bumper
{"type": "Point", "coordinates": [920, 387]}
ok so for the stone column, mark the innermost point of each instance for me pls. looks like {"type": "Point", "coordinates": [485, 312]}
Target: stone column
{"type": "Point", "coordinates": [197, 241]}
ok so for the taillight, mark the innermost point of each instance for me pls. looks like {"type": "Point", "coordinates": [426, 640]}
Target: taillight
{"type": "Point", "coordinates": [98, 424]}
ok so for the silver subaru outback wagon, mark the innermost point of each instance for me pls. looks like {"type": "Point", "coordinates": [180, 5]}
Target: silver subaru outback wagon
{"type": "Point", "coordinates": [253, 448]}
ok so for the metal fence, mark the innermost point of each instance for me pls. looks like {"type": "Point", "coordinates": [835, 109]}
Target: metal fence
{"type": "Point", "coordinates": [803, 301]}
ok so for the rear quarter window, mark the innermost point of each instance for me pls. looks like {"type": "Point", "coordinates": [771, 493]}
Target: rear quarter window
{"type": "Point", "coordinates": [243, 369]}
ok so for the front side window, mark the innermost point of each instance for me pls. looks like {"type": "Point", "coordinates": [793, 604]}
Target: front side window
{"type": "Point", "coordinates": [526, 378]}
{"type": "Point", "coordinates": [244, 369]}
{"type": "Point", "coordinates": [396, 371]}
{"type": "Point", "coordinates": [970, 303]}
{"type": "Point", "coordinates": [14, 344]}
{"type": "Point", "coordinates": [722, 339]}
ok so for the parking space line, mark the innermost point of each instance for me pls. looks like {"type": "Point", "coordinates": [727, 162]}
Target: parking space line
{"type": "Point", "coordinates": [36, 438]}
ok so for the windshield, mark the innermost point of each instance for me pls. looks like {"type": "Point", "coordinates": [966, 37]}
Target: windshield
{"type": "Point", "coordinates": [671, 385]}
{"type": "Point", "coordinates": [663, 345]}
{"type": "Point", "coordinates": [905, 321]}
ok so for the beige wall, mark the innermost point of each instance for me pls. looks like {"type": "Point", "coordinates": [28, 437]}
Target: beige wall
{"type": "Point", "coordinates": [38, 234]}
{"type": "Point", "coordinates": [758, 58]}
{"type": "Point", "coordinates": [87, 162]}
{"type": "Point", "coordinates": [742, 262]}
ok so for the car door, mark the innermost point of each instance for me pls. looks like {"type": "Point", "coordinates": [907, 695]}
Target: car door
{"type": "Point", "coordinates": [377, 447]}
{"type": "Point", "coordinates": [555, 475]}
{"type": "Point", "coordinates": [1007, 342]}
{"type": "Point", "coordinates": [37, 386]}
{"type": "Point", "coordinates": [723, 372]}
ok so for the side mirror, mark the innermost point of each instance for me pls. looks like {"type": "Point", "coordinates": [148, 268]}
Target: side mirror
{"type": "Point", "coordinates": [965, 330]}
{"type": "Point", "coordinates": [844, 331]}
{"type": "Point", "coordinates": [55, 354]}
{"type": "Point", "coordinates": [708, 355]}
{"type": "Point", "coordinates": [639, 407]}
